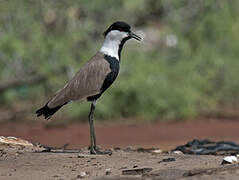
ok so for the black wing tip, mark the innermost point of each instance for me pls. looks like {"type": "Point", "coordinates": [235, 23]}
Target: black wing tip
{"type": "Point", "coordinates": [47, 112]}
{"type": "Point", "coordinates": [44, 111]}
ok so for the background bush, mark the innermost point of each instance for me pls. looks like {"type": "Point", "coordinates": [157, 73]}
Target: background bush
{"type": "Point", "coordinates": [186, 66]}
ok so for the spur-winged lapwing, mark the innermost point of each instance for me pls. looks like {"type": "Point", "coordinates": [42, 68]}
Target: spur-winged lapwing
{"type": "Point", "coordinates": [94, 77]}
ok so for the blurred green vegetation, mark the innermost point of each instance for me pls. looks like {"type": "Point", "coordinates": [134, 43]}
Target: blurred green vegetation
{"type": "Point", "coordinates": [186, 66]}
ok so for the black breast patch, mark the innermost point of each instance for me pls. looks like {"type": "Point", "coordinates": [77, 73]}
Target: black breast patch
{"type": "Point", "coordinates": [109, 79]}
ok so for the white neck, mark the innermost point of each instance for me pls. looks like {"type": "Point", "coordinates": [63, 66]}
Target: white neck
{"type": "Point", "coordinates": [111, 47]}
{"type": "Point", "coordinates": [112, 42]}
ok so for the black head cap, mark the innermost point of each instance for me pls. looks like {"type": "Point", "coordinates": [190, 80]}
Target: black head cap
{"type": "Point", "coordinates": [120, 26]}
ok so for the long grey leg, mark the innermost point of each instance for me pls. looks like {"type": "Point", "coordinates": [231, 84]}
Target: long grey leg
{"type": "Point", "coordinates": [92, 129]}
{"type": "Point", "coordinates": [93, 147]}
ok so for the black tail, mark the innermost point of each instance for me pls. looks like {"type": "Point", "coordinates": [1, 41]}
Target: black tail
{"type": "Point", "coordinates": [48, 112]}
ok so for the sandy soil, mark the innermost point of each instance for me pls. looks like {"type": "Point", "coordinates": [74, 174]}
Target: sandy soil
{"type": "Point", "coordinates": [125, 163]}
{"type": "Point", "coordinates": [27, 164]}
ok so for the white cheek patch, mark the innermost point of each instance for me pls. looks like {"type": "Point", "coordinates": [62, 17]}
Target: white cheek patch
{"type": "Point", "coordinates": [112, 42]}
{"type": "Point", "coordinates": [117, 35]}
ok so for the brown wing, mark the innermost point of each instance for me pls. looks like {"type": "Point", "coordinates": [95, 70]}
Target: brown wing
{"type": "Point", "coordinates": [87, 82]}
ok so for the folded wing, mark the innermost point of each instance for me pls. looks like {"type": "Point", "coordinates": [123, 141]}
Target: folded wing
{"type": "Point", "coordinates": [87, 82]}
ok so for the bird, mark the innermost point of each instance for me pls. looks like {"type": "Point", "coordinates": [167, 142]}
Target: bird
{"type": "Point", "coordinates": [93, 78]}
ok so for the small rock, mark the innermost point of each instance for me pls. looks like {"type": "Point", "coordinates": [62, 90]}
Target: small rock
{"type": "Point", "coordinates": [167, 160]}
{"type": "Point", "coordinates": [108, 171]}
{"type": "Point", "coordinates": [229, 160]}
{"type": "Point", "coordinates": [136, 171]}
{"type": "Point", "coordinates": [149, 150]}
{"type": "Point", "coordinates": [157, 151]}
{"type": "Point", "coordinates": [135, 166]}
{"type": "Point", "coordinates": [117, 148]}
{"type": "Point", "coordinates": [177, 152]}
{"type": "Point", "coordinates": [14, 141]}
{"type": "Point", "coordinates": [82, 174]}
{"type": "Point", "coordinates": [80, 156]}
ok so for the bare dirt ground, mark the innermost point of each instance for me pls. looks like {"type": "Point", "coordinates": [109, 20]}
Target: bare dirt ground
{"type": "Point", "coordinates": [125, 163]}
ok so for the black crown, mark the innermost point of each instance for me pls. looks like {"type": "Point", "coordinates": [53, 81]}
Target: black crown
{"type": "Point", "coordinates": [119, 25]}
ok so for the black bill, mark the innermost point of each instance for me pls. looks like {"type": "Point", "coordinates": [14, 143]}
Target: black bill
{"type": "Point", "coordinates": [135, 36]}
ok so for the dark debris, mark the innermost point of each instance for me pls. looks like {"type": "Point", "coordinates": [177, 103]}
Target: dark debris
{"type": "Point", "coordinates": [167, 160]}
{"type": "Point", "coordinates": [136, 171]}
{"type": "Point", "coordinates": [206, 147]}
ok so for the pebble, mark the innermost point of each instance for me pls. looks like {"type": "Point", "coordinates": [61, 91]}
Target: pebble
{"type": "Point", "coordinates": [108, 171]}
{"type": "Point", "coordinates": [167, 160]}
{"type": "Point", "coordinates": [157, 151]}
{"type": "Point", "coordinates": [82, 174]}
{"type": "Point", "coordinates": [136, 171]}
{"type": "Point", "coordinates": [177, 152]}
{"type": "Point", "coordinates": [80, 156]}
{"type": "Point", "coordinates": [229, 160]}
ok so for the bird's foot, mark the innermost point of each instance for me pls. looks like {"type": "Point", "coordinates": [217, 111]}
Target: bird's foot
{"type": "Point", "coordinates": [95, 150]}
